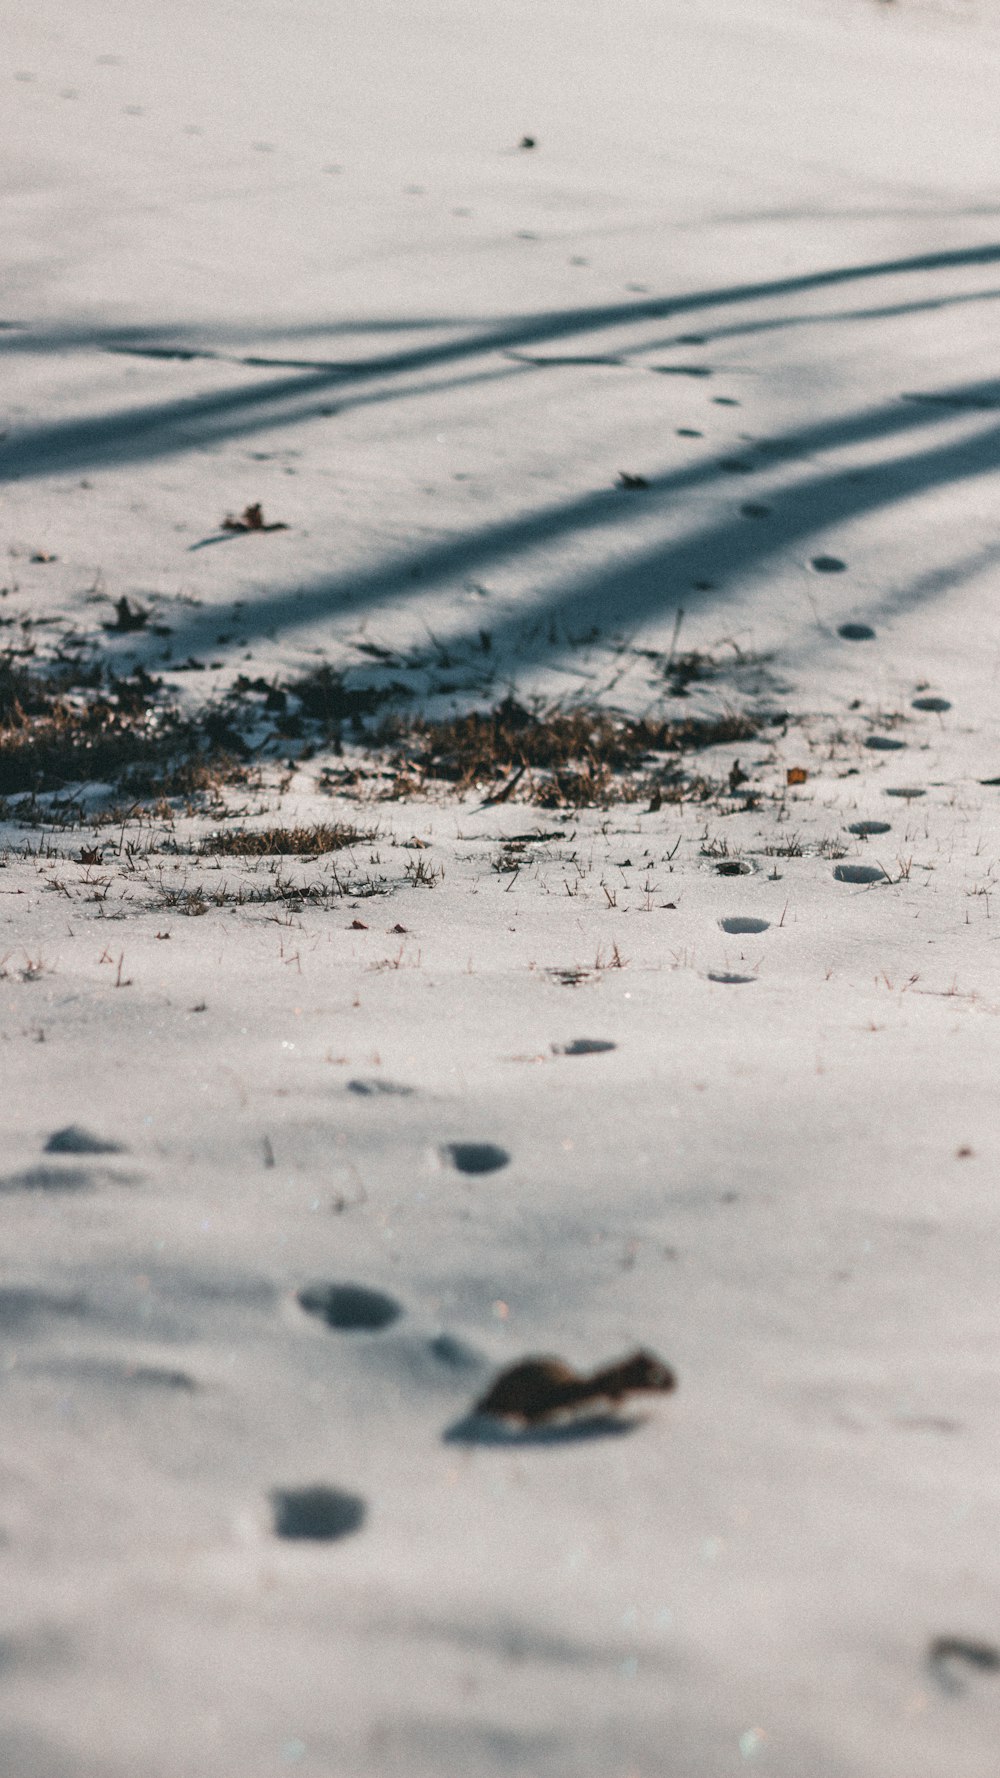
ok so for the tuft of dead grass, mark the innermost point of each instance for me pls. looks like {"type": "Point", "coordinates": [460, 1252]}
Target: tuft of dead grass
{"type": "Point", "coordinates": [286, 842]}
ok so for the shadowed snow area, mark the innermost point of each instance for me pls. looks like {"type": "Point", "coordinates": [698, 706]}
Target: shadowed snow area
{"type": "Point", "coordinates": [499, 534]}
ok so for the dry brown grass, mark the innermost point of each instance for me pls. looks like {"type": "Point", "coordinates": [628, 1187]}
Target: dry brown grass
{"type": "Point", "coordinates": [200, 898]}
{"type": "Point", "coordinates": [63, 725]}
{"type": "Point", "coordinates": [286, 842]}
{"type": "Point", "coordinates": [562, 759]}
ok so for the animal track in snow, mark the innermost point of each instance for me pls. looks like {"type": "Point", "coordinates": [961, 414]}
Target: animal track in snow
{"type": "Point", "coordinates": [856, 632]}
{"type": "Point", "coordinates": [584, 1046]}
{"type": "Point", "coordinates": [743, 923]}
{"type": "Point", "coordinates": [454, 1353]}
{"type": "Point", "coordinates": [729, 977]}
{"type": "Point", "coordinates": [859, 873]}
{"type": "Point", "coordinates": [935, 705]}
{"type": "Point", "coordinates": [475, 1157]}
{"type": "Point", "coordinates": [864, 828]}
{"type": "Point", "coordinates": [351, 1308]}
{"type": "Point", "coordinates": [829, 565]}
{"type": "Point", "coordinates": [370, 1087]}
{"type": "Point", "coordinates": [734, 867]}
{"type": "Point", "coordinates": [906, 790]}
{"type": "Point", "coordinates": [884, 744]}
{"type": "Point", "coordinates": [319, 1513]}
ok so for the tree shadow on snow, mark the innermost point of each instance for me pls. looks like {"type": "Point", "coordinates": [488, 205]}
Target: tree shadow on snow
{"type": "Point", "coordinates": [624, 589]}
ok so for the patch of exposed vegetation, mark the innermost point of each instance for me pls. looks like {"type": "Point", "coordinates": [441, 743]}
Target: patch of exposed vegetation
{"type": "Point", "coordinates": [320, 704]}
{"type": "Point", "coordinates": [200, 898]}
{"type": "Point", "coordinates": [66, 725]}
{"type": "Point", "coordinates": [63, 725]}
{"type": "Point", "coordinates": [580, 758]}
{"type": "Point", "coordinates": [286, 842]}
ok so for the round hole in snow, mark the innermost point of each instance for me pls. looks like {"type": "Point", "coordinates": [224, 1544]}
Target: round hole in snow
{"type": "Point", "coordinates": [727, 976]}
{"type": "Point", "coordinates": [937, 705]}
{"type": "Point", "coordinates": [584, 1046]}
{"type": "Point", "coordinates": [734, 867]}
{"type": "Point", "coordinates": [856, 632]}
{"type": "Point", "coordinates": [864, 828]}
{"type": "Point", "coordinates": [859, 873]}
{"type": "Point", "coordinates": [828, 564]}
{"type": "Point", "coordinates": [351, 1308]}
{"type": "Point", "coordinates": [744, 923]}
{"type": "Point", "coordinates": [319, 1513]}
{"type": "Point", "coordinates": [884, 744]}
{"type": "Point", "coordinates": [475, 1157]}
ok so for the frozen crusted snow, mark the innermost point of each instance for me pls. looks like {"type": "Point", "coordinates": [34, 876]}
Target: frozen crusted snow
{"type": "Point", "coordinates": [688, 408]}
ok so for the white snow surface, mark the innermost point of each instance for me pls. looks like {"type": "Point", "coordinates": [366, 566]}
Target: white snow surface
{"type": "Point", "coordinates": [291, 251]}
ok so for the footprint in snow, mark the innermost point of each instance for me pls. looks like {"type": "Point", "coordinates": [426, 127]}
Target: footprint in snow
{"type": "Point", "coordinates": [350, 1308]}
{"type": "Point", "coordinates": [371, 1087]}
{"type": "Point", "coordinates": [859, 873]}
{"type": "Point", "coordinates": [475, 1157]}
{"type": "Point", "coordinates": [734, 867]}
{"type": "Point", "coordinates": [453, 1352]}
{"type": "Point", "coordinates": [744, 923]}
{"type": "Point", "coordinates": [584, 1046]}
{"type": "Point", "coordinates": [319, 1513]}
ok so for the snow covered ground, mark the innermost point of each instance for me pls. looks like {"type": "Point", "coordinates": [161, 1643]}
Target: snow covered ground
{"type": "Point", "coordinates": [292, 252]}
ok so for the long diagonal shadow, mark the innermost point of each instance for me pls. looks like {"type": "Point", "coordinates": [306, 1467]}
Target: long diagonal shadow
{"type": "Point", "coordinates": [167, 428]}
{"type": "Point", "coordinates": [194, 422]}
{"type": "Point", "coordinates": [552, 324]}
{"type": "Point", "coordinates": [660, 578]}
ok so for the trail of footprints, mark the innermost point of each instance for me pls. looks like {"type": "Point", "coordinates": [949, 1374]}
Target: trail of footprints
{"type": "Point", "coordinates": [80, 1159]}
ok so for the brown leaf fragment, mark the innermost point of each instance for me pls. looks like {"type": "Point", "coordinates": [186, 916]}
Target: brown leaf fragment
{"type": "Point", "coordinates": [796, 775]}
{"type": "Point", "coordinates": [251, 519]}
{"type": "Point", "coordinates": [538, 1388]}
{"type": "Point", "coordinates": [90, 855]}
{"type": "Point", "coordinates": [358, 926]}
